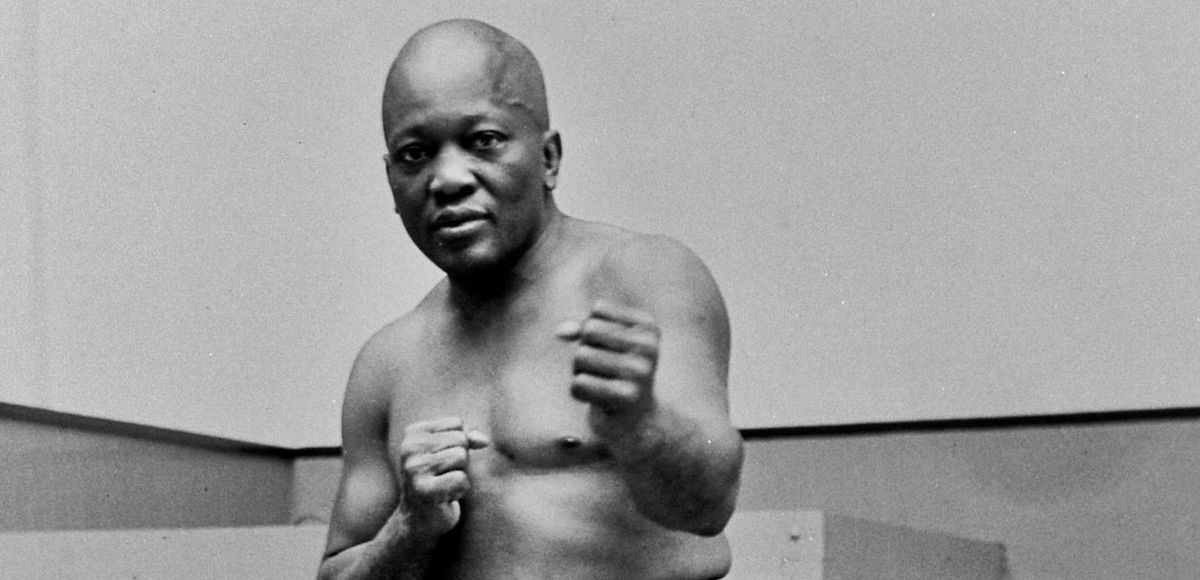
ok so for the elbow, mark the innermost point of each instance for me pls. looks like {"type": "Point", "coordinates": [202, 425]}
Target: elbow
{"type": "Point", "coordinates": [713, 520]}
{"type": "Point", "coordinates": [709, 516]}
{"type": "Point", "coordinates": [705, 518]}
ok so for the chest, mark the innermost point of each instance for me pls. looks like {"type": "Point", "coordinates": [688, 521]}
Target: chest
{"type": "Point", "coordinates": [511, 381]}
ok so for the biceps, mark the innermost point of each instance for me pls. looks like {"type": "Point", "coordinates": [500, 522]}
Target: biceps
{"type": "Point", "coordinates": [692, 373]}
{"type": "Point", "coordinates": [366, 498]}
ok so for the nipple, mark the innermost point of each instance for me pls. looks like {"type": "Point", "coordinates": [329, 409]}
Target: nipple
{"type": "Point", "coordinates": [569, 442]}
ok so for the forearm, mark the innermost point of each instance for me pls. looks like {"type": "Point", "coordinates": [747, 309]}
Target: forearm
{"type": "Point", "coordinates": [395, 553]}
{"type": "Point", "coordinates": [682, 473]}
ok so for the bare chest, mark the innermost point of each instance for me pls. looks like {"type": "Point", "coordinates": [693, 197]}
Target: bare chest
{"type": "Point", "coordinates": [511, 382]}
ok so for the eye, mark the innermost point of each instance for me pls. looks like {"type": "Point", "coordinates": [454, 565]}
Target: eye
{"type": "Point", "coordinates": [486, 140]}
{"type": "Point", "coordinates": [410, 154]}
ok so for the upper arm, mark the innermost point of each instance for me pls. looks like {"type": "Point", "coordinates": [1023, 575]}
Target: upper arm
{"type": "Point", "coordinates": [369, 490]}
{"type": "Point", "coordinates": [667, 280]}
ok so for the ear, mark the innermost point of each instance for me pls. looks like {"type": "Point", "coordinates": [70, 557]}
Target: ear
{"type": "Point", "coordinates": [387, 168]}
{"type": "Point", "coordinates": [551, 157]}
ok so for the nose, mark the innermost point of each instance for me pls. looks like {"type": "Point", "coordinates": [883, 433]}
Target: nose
{"type": "Point", "coordinates": [452, 176]}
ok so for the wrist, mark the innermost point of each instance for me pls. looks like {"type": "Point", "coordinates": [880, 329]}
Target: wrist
{"type": "Point", "coordinates": [405, 530]}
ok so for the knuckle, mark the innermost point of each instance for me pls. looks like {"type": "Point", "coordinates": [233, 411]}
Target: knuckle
{"type": "Point", "coordinates": [421, 487]}
{"type": "Point", "coordinates": [592, 327]}
{"type": "Point", "coordinates": [587, 358]}
{"type": "Point", "coordinates": [414, 464]}
{"type": "Point", "coordinates": [590, 388]}
{"type": "Point", "coordinates": [413, 444]}
{"type": "Point", "coordinates": [457, 481]}
{"type": "Point", "coordinates": [581, 386]}
{"type": "Point", "coordinates": [408, 448]}
{"type": "Point", "coordinates": [624, 391]}
{"type": "Point", "coordinates": [637, 367]}
{"type": "Point", "coordinates": [415, 430]}
{"type": "Point", "coordinates": [456, 455]}
{"type": "Point", "coordinates": [647, 344]}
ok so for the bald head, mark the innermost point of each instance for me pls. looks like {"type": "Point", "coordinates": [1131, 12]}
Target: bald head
{"type": "Point", "coordinates": [467, 55]}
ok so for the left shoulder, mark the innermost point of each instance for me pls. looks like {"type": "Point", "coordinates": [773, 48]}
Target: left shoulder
{"type": "Point", "coordinates": [649, 270]}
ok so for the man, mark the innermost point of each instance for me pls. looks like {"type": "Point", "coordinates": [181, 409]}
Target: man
{"type": "Point", "coordinates": [556, 406]}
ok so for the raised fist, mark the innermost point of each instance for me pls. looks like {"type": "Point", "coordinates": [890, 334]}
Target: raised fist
{"type": "Point", "coordinates": [434, 457]}
{"type": "Point", "coordinates": [614, 363]}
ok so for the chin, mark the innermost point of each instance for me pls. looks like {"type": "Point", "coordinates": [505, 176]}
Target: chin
{"type": "Point", "coordinates": [467, 262]}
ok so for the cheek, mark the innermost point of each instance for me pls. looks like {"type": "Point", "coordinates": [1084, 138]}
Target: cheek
{"type": "Point", "coordinates": [403, 185]}
{"type": "Point", "coordinates": [522, 173]}
{"type": "Point", "coordinates": [407, 198]}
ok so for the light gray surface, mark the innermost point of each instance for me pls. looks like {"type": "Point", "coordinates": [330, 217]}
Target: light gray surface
{"type": "Point", "coordinates": [249, 553]}
{"type": "Point", "coordinates": [58, 478]}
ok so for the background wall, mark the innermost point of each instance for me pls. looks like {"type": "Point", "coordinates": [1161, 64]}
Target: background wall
{"type": "Point", "coordinates": [916, 211]}
{"type": "Point", "coordinates": [1071, 500]}
{"type": "Point", "coordinates": [1103, 501]}
{"type": "Point", "coordinates": [57, 477]}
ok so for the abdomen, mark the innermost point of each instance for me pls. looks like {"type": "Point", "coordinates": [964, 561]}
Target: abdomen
{"type": "Point", "coordinates": [576, 523]}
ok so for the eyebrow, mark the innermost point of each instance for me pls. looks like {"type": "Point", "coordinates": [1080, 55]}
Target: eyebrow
{"type": "Point", "coordinates": [417, 128]}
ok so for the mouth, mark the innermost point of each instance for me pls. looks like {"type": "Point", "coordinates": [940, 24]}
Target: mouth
{"type": "Point", "coordinates": [458, 221]}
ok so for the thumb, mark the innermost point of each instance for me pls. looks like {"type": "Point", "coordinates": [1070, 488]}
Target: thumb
{"type": "Point", "coordinates": [568, 330]}
{"type": "Point", "coordinates": [477, 439]}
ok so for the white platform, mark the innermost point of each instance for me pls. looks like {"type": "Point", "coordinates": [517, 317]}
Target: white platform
{"type": "Point", "coordinates": [807, 545]}
{"type": "Point", "coordinates": [814, 545]}
{"type": "Point", "coordinates": [252, 553]}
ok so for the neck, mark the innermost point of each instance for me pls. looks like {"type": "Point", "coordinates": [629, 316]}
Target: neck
{"type": "Point", "coordinates": [509, 279]}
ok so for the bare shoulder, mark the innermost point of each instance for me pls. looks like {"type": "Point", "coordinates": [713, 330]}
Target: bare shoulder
{"type": "Point", "coordinates": [666, 279]}
{"type": "Point", "coordinates": [378, 368]}
{"type": "Point", "coordinates": [387, 349]}
{"type": "Point", "coordinates": [655, 270]}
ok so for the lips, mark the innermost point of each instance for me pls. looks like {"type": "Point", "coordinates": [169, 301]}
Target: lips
{"type": "Point", "coordinates": [458, 225]}
{"type": "Point", "coordinates": [452, 217]}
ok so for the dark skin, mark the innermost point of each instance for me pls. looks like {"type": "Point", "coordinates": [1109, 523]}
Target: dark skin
{"type": "Point", "coordinates": [556, 407]}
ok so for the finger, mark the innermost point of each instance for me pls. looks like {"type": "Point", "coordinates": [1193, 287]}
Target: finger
{"type": "Point", "coordinates": [608, 394]}
{"type": "Point", "coordinates": [618, 337]}
{"type": "Point", "coordinates": [627, 315]}
{"type": "Point", "coordinates": [421, 442]}
{"type": "Point", "coordinates": [436, 425]}
{"type": "Point", "coordinates": [609, 364]}
{"type": "Point", "coordinates": [477, 439]}
{"type": "Point", "coordinates": [449, 486]}
{"type": "Point", "coordinates": [447, 460]}
{"type": "Point", "coordinates": [437, 462]}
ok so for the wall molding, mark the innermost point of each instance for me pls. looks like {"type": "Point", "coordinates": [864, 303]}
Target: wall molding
{"type": "Point", "coordinates": [138, 431]}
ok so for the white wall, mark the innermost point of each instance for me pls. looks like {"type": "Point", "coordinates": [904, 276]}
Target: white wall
{"type": "Point", "coordinates": [916, 210]}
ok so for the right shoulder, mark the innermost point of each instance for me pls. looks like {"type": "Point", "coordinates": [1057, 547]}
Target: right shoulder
{"type": "Point", "coordinates": [377, 372]}
{"type": "Point", "coordinates": [385, 353]}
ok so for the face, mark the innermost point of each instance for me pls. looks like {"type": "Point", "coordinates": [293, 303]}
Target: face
{"type": "Point", "coordinates": [469, 174]}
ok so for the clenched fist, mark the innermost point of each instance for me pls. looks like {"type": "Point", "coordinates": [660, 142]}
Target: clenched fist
{"type": "Point", "coordinates": [434, 456]}
{"type": "Point", "coordinates": [614, 362]}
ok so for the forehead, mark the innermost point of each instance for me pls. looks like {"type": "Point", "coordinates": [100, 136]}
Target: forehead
{"type": "Point", "coordinates": [463, 82]}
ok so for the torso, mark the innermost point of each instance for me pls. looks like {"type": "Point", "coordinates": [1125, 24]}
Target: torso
{"type": "Point", "coordinates": [546, 500]}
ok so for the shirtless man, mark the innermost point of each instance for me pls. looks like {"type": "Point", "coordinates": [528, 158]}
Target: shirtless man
{"type": "Point", "coordinates": [556, 407]}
